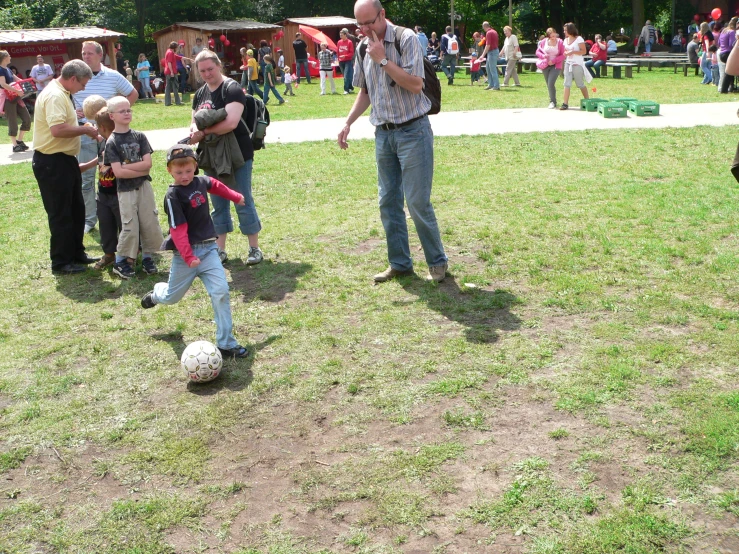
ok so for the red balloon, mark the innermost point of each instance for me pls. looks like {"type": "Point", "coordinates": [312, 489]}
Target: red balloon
{"type": "Point", "coordinates": [226, 42]}
{"type": "Point", "coordinates": [211, 43]}
{"type": "Point", "coordinates": [223, 38]}
{"type": "Point", "coordinates": [716, 14]}
{"type": "Point", "coordinates": [696, 17]}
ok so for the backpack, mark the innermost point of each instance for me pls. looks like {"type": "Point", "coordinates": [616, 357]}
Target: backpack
{"type": "Point", "coordinates": [256, 116]}
{"type": "Point", "coordinates": [431, 85]}
{"type": "Point", "coordinates": [452, 45]}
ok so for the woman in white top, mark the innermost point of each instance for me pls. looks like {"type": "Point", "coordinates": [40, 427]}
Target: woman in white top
{"type": "Point", "coordinates": [574, 63]}
{"type": "Point", "coordinates": [508, 51]}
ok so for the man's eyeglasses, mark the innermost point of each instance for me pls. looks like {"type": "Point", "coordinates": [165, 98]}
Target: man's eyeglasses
{"type": "Point", "coordinates": [370, 23]}
{"type": "Point", "coordinates": [125, 111]}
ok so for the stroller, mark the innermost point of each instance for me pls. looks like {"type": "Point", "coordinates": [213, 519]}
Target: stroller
{"type": "Point", "coordinates": [435, 61]}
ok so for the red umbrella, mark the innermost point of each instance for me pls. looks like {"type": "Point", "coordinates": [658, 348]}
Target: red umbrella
{"type": "Point", "coordinates": [318, 36]}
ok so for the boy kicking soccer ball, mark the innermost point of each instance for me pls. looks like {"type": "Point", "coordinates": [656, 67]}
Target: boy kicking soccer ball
{"type": "Point", "coordinates": [192, 236]}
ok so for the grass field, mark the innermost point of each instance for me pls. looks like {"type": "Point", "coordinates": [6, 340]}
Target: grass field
{"type": "Point", "coordinates": [569, 389]}
{"type": "Point", "coordinates": [658, 85]}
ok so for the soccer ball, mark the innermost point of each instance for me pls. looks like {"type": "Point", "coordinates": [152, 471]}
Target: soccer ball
{"type": "Point", "coordinates": [201, 361]}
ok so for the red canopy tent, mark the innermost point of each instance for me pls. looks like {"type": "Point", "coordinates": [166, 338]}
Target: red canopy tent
{"type": "Point", "coordinates": [318, 36]}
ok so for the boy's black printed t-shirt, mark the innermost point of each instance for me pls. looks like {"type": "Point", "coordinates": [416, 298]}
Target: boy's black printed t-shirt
{"type": "Point", "coordinates": [106, 179]}
{"type": "Point", "coordinates": [127, 148]}
{"type": "Point", "coordinates": [189, 205]}
{"type": "Point", "coordinates": [206, 100]}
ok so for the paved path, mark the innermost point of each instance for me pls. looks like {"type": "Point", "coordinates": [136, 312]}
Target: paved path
{"type": "Point", "coordinates": [481, 122]}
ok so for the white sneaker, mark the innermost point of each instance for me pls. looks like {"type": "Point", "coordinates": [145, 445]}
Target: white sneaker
{"type": "Point", "coordinates": [346, 92]}
{"type": "Point", "coordinates": [255, 256]}
{"type": "Point", "coordinates": [552, 105]}
{"type": "Point", "coordinates": [88, 228]}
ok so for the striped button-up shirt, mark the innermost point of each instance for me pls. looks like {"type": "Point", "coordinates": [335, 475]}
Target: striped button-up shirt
{"type": "Point", "coordinates": [391, 103]}
{"type": "Point", "coordinates": [107, 83]}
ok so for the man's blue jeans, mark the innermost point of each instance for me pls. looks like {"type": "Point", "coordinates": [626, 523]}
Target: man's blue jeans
{"type": "Point", "coordinates": [449, 65]}
{"type": "Point", "coordinates": [648, 46]}
{"type": "Point", "coordinates": [347, 70]}
{"type": "Point", "coordinates": [405, 167]}
{"type": "Point", "coordinates": [213, 276]}
{"type": "Point", "coordinates": [492, 68]}
{"type": "Point", "coordinates": [306, 71]}
{"type": "Point", "coordinates": [249, 223]}
{"type": "Point", "coordinates": [89, 151]}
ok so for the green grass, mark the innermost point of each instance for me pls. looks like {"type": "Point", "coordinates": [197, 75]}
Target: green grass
{"type": "Point", "coordinates": [660, 85]}
{"type": "Point", "coordinates": [580, 398]}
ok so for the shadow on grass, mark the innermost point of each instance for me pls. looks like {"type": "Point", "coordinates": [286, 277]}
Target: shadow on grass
{"type": "Point", "coordinates": [90, 288]}
{"type": "Point", "coordinates": [482, 312]}
{"type": "Point", "coordinates": [269, 281]}
{"type": "Point", "coordinates": [236, 373]}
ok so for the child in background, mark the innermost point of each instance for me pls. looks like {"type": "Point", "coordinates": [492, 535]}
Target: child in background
{"type": "Point", "coordinates": [129, 154]}
{"type": "Point", "coordinates": [192, 236]}
{"type": "Point", "coordinates": [270, 81]}
{"type": "Point", "coordinates": [288, 80]}
{"type": "Point", "coordinates": [474, 68]}
{"type": "Point", "coordinates": [280, 64]}
{"type": "Point", "coordinates": [253, 73]}
{"type": "Point", "coordinates": [129, 72]}
{"type": "Point", "coordinates": [108, 211]}
{"type": "Point", "coordinates": [713, 50]}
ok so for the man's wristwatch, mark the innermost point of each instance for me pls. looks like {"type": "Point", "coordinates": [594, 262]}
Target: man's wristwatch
{"type": "Point", "coordinates": [383, 62]}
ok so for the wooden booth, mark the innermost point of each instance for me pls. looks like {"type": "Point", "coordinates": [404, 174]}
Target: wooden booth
{"type": "Point", "coordinates": [236, 34]}
{"type": "Point", "coordinates": [57, 46]}
{"type": "Point", "coordinates": [330, 26]}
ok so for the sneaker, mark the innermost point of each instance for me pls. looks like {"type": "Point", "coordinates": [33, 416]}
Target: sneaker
{"type": "Point", "coordinates": [255, 256]}
{"type": "Point", "coordinates": [437, 273]}
{"type": "Point", "coordinates": [450, 81]}
{"type": "Point", "coordinates": [346, 92]}
{"type": "Point", "coordinates": [148, 301]}
{"type": "Point", "coordinates": [552, 105]}
{"type": "Point", "coordinates": [236, 352]}
{"type": "Point", "coordinates": [149, 266]}
{"type": "Point", "coordinates": [281, 102]}
{"type": "Point", "coordinates": [222, 256]}
{"type": "Point", "coordinates": [123, 270]}
{"type": "Point", "coordinates": [104, 262]}
{"type": "Point", "coordinates": [391, 273]}
{"type": "Point", "coordinates": [88, 228]}
{"type": "Point", "coordinates": [563, 107]}
{"type": "Point", "coordinates": [18, 148]}
{"type": "Point", "coordinates": [23, 144]}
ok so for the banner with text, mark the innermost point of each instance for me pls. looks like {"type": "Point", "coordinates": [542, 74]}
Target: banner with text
{"type": "Point", "coordinates": [36, 49]}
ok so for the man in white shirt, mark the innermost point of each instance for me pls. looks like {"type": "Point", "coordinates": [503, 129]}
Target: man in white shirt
{"type": "Point", "coordinates": [107, 83]}
{"type": "Point", "coordinates": [41, 73]}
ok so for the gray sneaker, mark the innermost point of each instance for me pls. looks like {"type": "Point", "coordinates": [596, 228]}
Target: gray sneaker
{"type": "Point", "coordinates": [437, 273]}
{"type": "Point", "coordinates": [222, 256]}
{"type": "Point", "coordinates": [255, 256]}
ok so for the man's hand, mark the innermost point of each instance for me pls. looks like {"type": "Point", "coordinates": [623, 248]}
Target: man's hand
{"type": "Point", "coordinates": [195, 262]}
{"type": "Point", "coordinates": [376, 48]}
{"type": "Point", "coordinates": [196, 136]}
{"type": "Point", "coordinates": [90, 131]}
{"type": "Point", "coordinates": [80, 114]}
{"type": "Point", "coordinates": [343, 135]}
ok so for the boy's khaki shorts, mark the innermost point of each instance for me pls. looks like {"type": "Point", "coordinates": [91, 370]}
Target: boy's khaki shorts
{"type": "Point", "coordinates": [139, 218]}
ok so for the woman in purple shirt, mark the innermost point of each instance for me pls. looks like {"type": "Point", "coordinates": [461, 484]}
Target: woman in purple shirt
{"type": "Point", "coordinates": [726, 41]}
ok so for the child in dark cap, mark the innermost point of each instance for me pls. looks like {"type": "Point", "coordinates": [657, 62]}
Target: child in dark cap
{"type": "Point", "coordinates": [192, 236]}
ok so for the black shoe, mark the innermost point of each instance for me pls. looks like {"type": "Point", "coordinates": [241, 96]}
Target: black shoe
{"type": "Point", "coordinates": [123, 270]}
{"type": "Point", "coordinates": [149, 266]}
{"type": "Point", "coordinates": [563, 107]}
{"type": "Point", "coordinates": [237, 352]}
{"type": "Point", "coordinates": [18, 148]}
{"type": "Point", "coordinates": [86, 260]}
{"type": "Point", "coordinates": [450, 81]}
{"type": "Point", "coordinates": [23, 144]}
{"type": "Point", "coordinates": [148, 301]}
{"type": "Point", "coordinates": [68, 269]}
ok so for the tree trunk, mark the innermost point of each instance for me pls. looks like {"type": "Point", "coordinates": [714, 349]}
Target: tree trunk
{"type": "Point", "coordinates": [637, 21]}
{"type": "Point", "coordinates": [555, 10]}
{"type": "Point", "coordinates": [141, 23]}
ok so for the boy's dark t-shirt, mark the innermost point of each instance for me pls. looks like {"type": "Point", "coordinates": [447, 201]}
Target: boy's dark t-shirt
{"type": "Point", "coordinates": [106, 180]}
{"type": "Point", "coordinates": [269, 70]}
{"type": "Point", "coordinates": [206, 100]}
{"type": "Point", "coordinates": [189, 205]}
{"type": "Point", "coordinates": [127, 148]}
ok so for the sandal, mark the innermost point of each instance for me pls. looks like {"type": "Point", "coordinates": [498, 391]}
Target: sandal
{"type": "Point", "coordinates": [104, 262]}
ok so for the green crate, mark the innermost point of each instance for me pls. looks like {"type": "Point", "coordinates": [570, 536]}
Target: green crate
{"type": "Point", "coordinates": [591, 104]}
{"type": "Point", "coordinates": [611, 110]}
{"type": "Point", "coordinates": [624, 100]}
{"type": "Point", "coordinates": [644, 107]}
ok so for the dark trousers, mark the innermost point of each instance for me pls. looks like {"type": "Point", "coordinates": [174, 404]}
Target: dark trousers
{"type": "Point", "coordinates": [109, 221]}
{"type": "Point", "coordinates": [60, 183]}
{"type": "Point", "coordinates": [183, 79]}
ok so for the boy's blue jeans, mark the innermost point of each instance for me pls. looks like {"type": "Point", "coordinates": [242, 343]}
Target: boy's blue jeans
{"type": "Point", "coordinates": [213, 276]}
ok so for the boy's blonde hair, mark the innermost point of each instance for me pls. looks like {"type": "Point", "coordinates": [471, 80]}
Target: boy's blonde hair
{"type": "Point", "coordinates": [102, 118]}
{"type": "Point", "coordinates": [92, 105]}
{"type": "Point", "coordinates": [287, 69]}
{"type": "Point", "coordinates": [116, 101]}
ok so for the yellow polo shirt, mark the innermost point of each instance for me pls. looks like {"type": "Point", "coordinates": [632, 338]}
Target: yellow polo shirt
{"type": "Point", "coordinates": [53, 107]}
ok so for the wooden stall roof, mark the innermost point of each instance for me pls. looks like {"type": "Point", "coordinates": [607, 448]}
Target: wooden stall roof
{"type": "Point", "coordinates": [66, 34]}
{"type": "Point", "coordinates": [216, 26]}
{"type": "Point", "coordinates": [318, 22]}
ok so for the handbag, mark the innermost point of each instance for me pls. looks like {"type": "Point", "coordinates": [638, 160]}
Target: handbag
{"type": "Point", "coordinates": [542, 64]}
{"type": "Point", "coordinates": [518, 55]}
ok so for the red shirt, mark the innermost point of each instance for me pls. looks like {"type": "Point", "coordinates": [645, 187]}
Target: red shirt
{"type": "Point", "coordinates": [346, 50]}
{"type": "Point", "coordinates": [475, 64]}
{"type": "Point", "coordinates": [491, 39]}
{"type": "Point", "coordinates": [170, 58]}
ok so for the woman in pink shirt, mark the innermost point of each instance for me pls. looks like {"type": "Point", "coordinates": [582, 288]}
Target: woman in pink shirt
{"type": "Point", "coordinates": [551, 54]}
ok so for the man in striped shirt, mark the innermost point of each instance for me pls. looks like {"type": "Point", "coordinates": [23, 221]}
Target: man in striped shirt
{"type": "Point", "coordinates": [391, 82]}
{"type": "Point", "coordinates": [107, 83]}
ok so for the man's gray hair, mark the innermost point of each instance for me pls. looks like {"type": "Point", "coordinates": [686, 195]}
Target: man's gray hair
{"type": "Point", "coordinates": [98, 47]}
{"type": "Point", "coordinates": [76, 68]}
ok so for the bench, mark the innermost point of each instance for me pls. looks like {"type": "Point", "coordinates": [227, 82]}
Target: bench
{"type": "Point", "coordinates": [617, 69]}
{"type": "Point", "coordinates": [685, 66]}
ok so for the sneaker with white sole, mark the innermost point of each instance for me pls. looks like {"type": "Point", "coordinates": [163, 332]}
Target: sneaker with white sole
{"type": "Point", "coordinates": [222, 256]}
{"type": "Point", "coordinates": [255, 256]}
{"type": "Point", "coordinates": [552, 106]}
{"type": "Point", "coordinates": [437, 273]}
{"type": "Point", "coordinates": [123, 270]}
{"type": "Point", "coordinates": [149, 266]}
